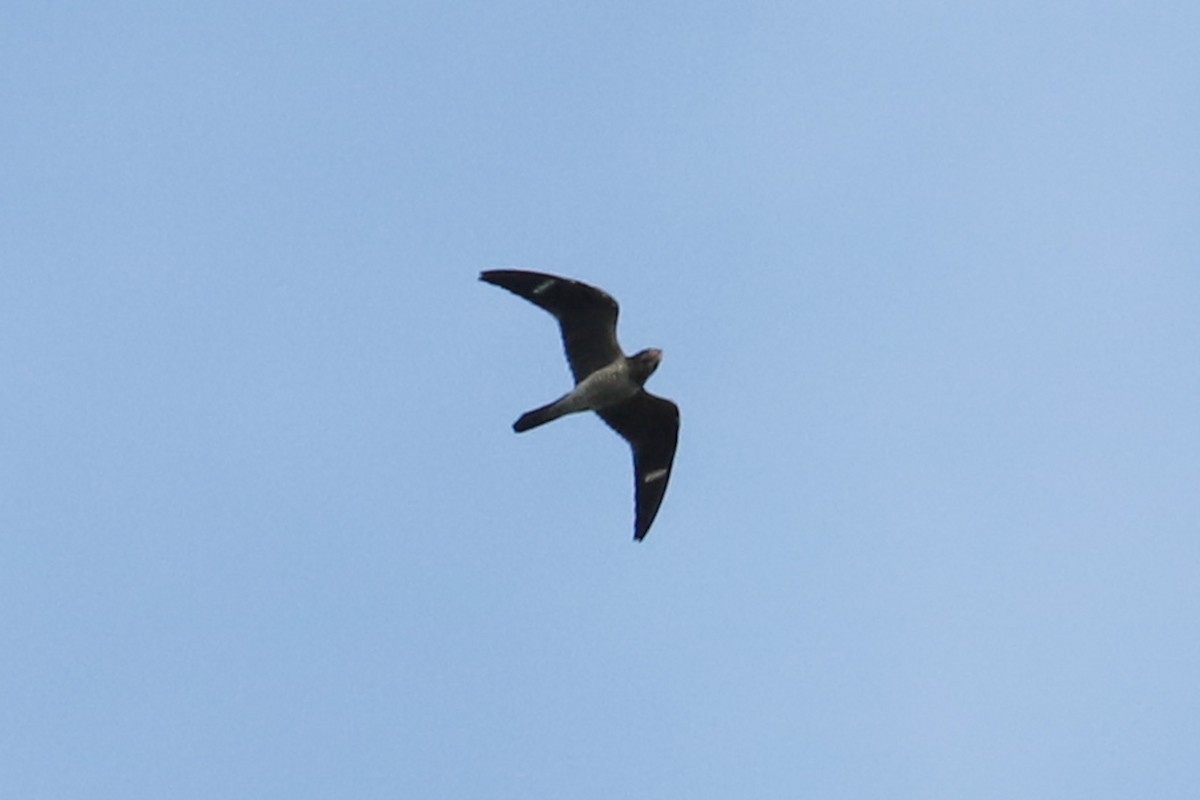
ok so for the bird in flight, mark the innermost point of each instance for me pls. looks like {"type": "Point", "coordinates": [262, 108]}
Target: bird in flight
{"type": "Point", "coordinates": [606, 380]}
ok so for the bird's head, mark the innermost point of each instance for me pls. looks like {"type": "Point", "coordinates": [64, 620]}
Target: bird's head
{"type": "Point", "coordinates": [645, 362]}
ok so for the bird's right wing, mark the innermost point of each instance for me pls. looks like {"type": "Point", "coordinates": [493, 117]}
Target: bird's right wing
{"type": "Point", "coordinates": [586, 315]}
{"type": "Point", "coordinates": [651, 426]}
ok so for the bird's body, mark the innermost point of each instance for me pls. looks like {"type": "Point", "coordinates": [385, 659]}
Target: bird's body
{"type": "Point", "coordinates": [606, 380]}
{"type": "Point", "coordinates": [606, 387]}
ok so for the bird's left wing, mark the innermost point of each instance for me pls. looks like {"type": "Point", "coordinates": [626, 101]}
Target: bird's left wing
{"type": "Point", "coordinates": [651, 426]}
{"type": "Point", "coordinates": [586, 315]}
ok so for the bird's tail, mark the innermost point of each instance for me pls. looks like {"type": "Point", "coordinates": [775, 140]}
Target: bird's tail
{"type": "Point", "coordinates": [539, 416]}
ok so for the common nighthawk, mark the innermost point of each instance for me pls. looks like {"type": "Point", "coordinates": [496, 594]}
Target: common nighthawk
{"type": "Point", "coordinates": [606, 380]}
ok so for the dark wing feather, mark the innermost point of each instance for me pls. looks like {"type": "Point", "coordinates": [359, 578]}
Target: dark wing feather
{"type": "Point", "coordinates": [651, 426]}
{"type": "Point", "coordinates": [587, 315]}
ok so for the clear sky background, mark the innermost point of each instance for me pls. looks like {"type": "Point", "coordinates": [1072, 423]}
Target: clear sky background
{"type": "Point", "coordinates": [927, 279]}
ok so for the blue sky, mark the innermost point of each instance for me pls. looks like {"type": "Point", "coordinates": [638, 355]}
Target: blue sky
{"type": "Point", "coordinates": [926, 277]}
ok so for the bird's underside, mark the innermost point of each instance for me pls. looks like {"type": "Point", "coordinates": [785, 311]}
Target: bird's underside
{"type": "Point", "coordinates": [606, 380]}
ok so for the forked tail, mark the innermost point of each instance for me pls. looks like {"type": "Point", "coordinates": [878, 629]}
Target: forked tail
{"type": "Point", "coordinates": [539, 416]}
